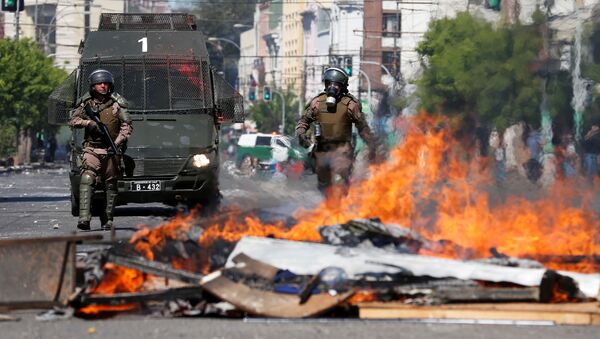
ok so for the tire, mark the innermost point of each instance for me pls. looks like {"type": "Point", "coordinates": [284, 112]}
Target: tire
{"type": "Point", "coordinates": [74, 205]}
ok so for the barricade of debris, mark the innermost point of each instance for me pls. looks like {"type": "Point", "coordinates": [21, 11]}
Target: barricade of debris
{"type": "Point", "coordinates": [362, 268]}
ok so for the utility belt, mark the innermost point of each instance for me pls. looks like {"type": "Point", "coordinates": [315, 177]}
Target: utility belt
{"type": "Point", "coordinates": [95, 144]}
{"type": "Point", "coordinates": [327, 146]}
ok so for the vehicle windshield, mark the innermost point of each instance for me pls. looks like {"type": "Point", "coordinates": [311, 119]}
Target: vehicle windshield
{"type": "Point", "coordinates": [263, 140]}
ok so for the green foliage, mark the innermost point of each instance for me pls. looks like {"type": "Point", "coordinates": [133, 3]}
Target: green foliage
{"type": "Point", "coordinates": [560, 94]}
{"type": "Point", "coordinates": [591, 71]}
{"type": "Point", "coordinates": [489, 75]}
{"type": "Point", "coordinates": [267, 115]}
{"type": "Point", "coordinates": [7, 140]}
{"type": "Point", "coordinates": [27, 77]}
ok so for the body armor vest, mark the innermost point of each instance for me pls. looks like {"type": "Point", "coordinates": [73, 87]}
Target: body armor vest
{"type": "Point", "coordinates": [112, 123]}
{"type": "Point", "coordinates": [335, 126]}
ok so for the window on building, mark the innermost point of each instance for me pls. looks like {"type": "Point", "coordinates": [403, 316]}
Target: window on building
{"type": "Point", "coordinates": [391, 60]}
{"type": "Point", "coordinates": [391, 25]}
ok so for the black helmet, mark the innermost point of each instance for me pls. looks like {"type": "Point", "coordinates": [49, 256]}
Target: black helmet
{"type": "Point", "coordinates": [335, 74]}
{"type": "Point", "coordinates": [99, 76]}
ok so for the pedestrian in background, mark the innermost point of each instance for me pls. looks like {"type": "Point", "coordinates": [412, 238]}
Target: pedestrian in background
{"type": "Point", "coordinates": [568, 157]}
{"type": "Point", "coordinates": [591, 149]}
{"type": "Point", "coordinates": [533, 166]}
{"type": "Point", "coordinates": [495, 142]}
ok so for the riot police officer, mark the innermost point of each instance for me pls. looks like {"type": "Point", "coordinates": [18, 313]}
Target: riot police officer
{"type": "Point", "coordinates": [100, 164]}
{"type": "Point", "coordinates": [333, 112]}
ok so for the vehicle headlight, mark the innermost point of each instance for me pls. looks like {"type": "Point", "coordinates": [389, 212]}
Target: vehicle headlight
{"type": "Point", "coordinates": [200, 160]}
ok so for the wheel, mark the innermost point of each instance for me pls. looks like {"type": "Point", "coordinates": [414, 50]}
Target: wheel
{"type": "Point", "coordinates": [74, 205]}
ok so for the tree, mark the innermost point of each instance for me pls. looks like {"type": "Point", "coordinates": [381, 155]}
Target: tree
{"type": "Point", "coordinates": [475, 72]}
{"type": "Point", "coordinates": [27, 76]}
{"type": "Point", "coordinates": [267, 115]}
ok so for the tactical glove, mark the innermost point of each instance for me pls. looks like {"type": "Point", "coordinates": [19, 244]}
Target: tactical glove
{"type": "Point", "coordinates": [304, 140]}
{"type": "Point", "coordinates": [93, 128]}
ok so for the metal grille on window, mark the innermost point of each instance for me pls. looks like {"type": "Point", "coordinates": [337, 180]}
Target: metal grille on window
{"type": "Point", "coordinates": [131, 21]}
{"type": "Point", "coordinates": [155, 85]}
{"type": "Point", "coordinates": [229, 101]}
{"type": "Point", "coordinates": [62, 99]}
{"type": "Point", "coordinates": [187, 83]}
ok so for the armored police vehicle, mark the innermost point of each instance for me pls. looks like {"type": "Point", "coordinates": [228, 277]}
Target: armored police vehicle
{"type": "Point", "coordinates": [176, 100]}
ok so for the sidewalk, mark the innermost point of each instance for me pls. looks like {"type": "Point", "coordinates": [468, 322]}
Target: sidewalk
{"type": "Point", "coordinates": [32, 166]}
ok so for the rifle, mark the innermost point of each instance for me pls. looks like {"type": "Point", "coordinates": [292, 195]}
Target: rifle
{"type": "Point", "coordinates": [92, 112]}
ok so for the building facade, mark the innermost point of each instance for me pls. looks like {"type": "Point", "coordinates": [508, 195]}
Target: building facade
{"type": "Point", "coordinates": [291, 45]}
{"type": "Point", "coordinates": [59, 26]}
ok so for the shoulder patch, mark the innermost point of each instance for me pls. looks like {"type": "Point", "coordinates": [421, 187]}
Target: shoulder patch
{"type": "Point", "coordinates": [83, 98]}
{"type": "Point", "coordinates": [320, 97]}
{"type": "Point", "coordinates": [352, 97]}
{"type": "Point", "coordinates": [119, 99]}
{"type": "Point", "coordinates": [346, 100]}
{"type": "Point", "coordinates": [315, 100]}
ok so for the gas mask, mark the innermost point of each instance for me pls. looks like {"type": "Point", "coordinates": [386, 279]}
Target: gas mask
{"type": "Point", "coordinates": [333, 91]}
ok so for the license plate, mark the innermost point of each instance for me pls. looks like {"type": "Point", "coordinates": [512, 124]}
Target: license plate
{"type": "Point", "coordinates": [150, 185]}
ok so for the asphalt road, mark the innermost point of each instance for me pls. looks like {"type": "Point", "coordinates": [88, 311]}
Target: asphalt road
{"type": "Point", "coordinates": [148, 327]}
{"type": "Point", "coordinates": [36, 203]}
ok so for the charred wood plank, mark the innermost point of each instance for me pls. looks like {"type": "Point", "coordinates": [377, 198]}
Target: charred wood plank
{"type": "Point", "coordinates": [266, 303]}
{"type": "Point", "coordinates": [126, 298]}
{"type": "Point", "coordinates": [155, 268]}
{"type": "Point", "coordinates": [487, 294]}
{"type": "Point", "coordinates": [569, 313]}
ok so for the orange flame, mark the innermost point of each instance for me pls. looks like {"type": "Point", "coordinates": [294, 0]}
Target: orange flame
{"type": "Point", "coordinates": [117, 279]}
{"type": "Point", "coordinates": [362, 296]}
{"type": "Point", "coordinates": [432, 186]}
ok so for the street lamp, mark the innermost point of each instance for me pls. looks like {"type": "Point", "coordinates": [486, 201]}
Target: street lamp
{"type": "Point", "coordinates": [282, 130]}
{"type": "Point", "coordinates": [213, 39]}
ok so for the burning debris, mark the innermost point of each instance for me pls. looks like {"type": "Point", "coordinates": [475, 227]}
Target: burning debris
{"type": "Point", "coordinates": [358, 262]}
{"type": "Point", "coordinates": [421, 230]}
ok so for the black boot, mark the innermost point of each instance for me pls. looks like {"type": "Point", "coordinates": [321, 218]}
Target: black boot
{"type": "Point", "coordinates": [83, 225]}
{"type": "Point", "coordinates": [85, 201]}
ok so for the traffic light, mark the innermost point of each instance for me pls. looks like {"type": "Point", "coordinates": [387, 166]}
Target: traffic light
{"type": "Point", "coordinates": [348, 65]}
{"type": "Point", "coordinates": [252, 94]}
{"type": "Point", "coordinates": [494, 4]}
{"type": "Point", "coordinates": [11, 5]}
{"type": "Point", "coordinates": [267, 93]}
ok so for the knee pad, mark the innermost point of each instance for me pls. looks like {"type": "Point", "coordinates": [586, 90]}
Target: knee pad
{"type": "Point", "coordinates": [88, 178]}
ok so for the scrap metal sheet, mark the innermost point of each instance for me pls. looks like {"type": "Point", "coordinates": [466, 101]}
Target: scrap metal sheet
{"type": "Point", "coordinates": [37, 272]}
{"type": "Point", "coordinates": [306, 258]}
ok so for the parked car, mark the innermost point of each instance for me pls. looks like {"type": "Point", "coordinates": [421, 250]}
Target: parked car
{"type": "Point", "coordinates": [260, 151]}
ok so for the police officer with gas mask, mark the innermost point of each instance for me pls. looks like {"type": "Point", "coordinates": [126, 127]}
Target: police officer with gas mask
{"type": "Point", "coordinates": [102, 114]}
{"type": "Point", "coordinates": [332, 114]}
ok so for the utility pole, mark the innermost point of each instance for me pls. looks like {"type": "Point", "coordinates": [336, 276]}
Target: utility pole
{"type": "Point", "coordinates": [35, 20]}
{"type": "Point", "coordinates": [17, 20]}
{"type": "Point", "coordinates": [282, 97]}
